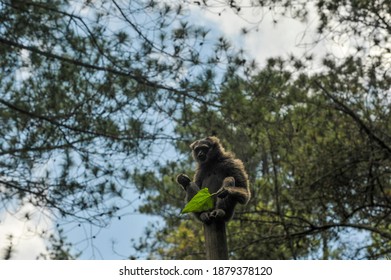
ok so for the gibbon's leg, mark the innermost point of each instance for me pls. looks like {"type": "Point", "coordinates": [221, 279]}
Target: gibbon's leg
{"type": "Point", "coordinates": [225, 204]}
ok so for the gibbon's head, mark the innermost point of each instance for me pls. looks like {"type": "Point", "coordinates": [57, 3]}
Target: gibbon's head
{"type": "Point", "coordinates": [206, 149]}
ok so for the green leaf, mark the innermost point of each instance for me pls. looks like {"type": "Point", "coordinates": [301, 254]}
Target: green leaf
{"type": "Point", "coordinates": [201, 202]}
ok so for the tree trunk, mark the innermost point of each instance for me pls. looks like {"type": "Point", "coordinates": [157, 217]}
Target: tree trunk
{"type": "Point", "coordinates": [216, 241]}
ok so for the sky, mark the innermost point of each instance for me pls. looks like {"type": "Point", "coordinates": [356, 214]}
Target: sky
{"type": "Point", "coordinates": [114, 242]}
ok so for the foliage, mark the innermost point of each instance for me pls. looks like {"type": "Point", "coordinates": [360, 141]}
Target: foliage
{"type": "Point", "coordinates": [95, 95]}
{"type": "Point", "coordinates": [89, 90]}
{"type": "Point", "coordinates": [316, 146]}
{"type": "Point", "coordinates": [321, 168]}
{"type": "Point", "coordinates": [59, 248]}
{"type": "Point", "coordinates": [9, 250]}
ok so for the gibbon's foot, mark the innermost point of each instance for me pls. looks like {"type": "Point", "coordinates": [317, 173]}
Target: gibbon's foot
{"type": "Point", "coordinates": [205, 217]}
{"type": "Point", "coordinates": [183, 180]}
{"type": "Point", "coordinates": [217, 214]}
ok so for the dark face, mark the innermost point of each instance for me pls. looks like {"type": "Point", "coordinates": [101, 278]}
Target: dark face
{"type": "Point", "coordinates": [202, 150]}
{"type": "Point", "coordinates": [201, 153]}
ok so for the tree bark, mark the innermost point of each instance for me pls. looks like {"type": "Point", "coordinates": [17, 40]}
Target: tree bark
{"type": "Point", "coordinates": [216, 241]}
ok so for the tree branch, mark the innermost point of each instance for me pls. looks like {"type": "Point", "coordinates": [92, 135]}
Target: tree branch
{"type": "Point", "coordinates": [355, 118]}
{"type": "Point", "coordinates": [139, 79]}
{"type": "Point", "coordinates": [56, 123]}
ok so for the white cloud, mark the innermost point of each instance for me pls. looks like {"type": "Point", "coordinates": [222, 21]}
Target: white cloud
{"type": "Point", "coordinates": [27, 243]}
{"type": "Point", "coordinates": [271, 34]}
{"type": "Point", "coordinates": [288, 36]}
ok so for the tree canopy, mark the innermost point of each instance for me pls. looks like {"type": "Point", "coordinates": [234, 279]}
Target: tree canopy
{"type": "Point", "coordinates": [94, 92]}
